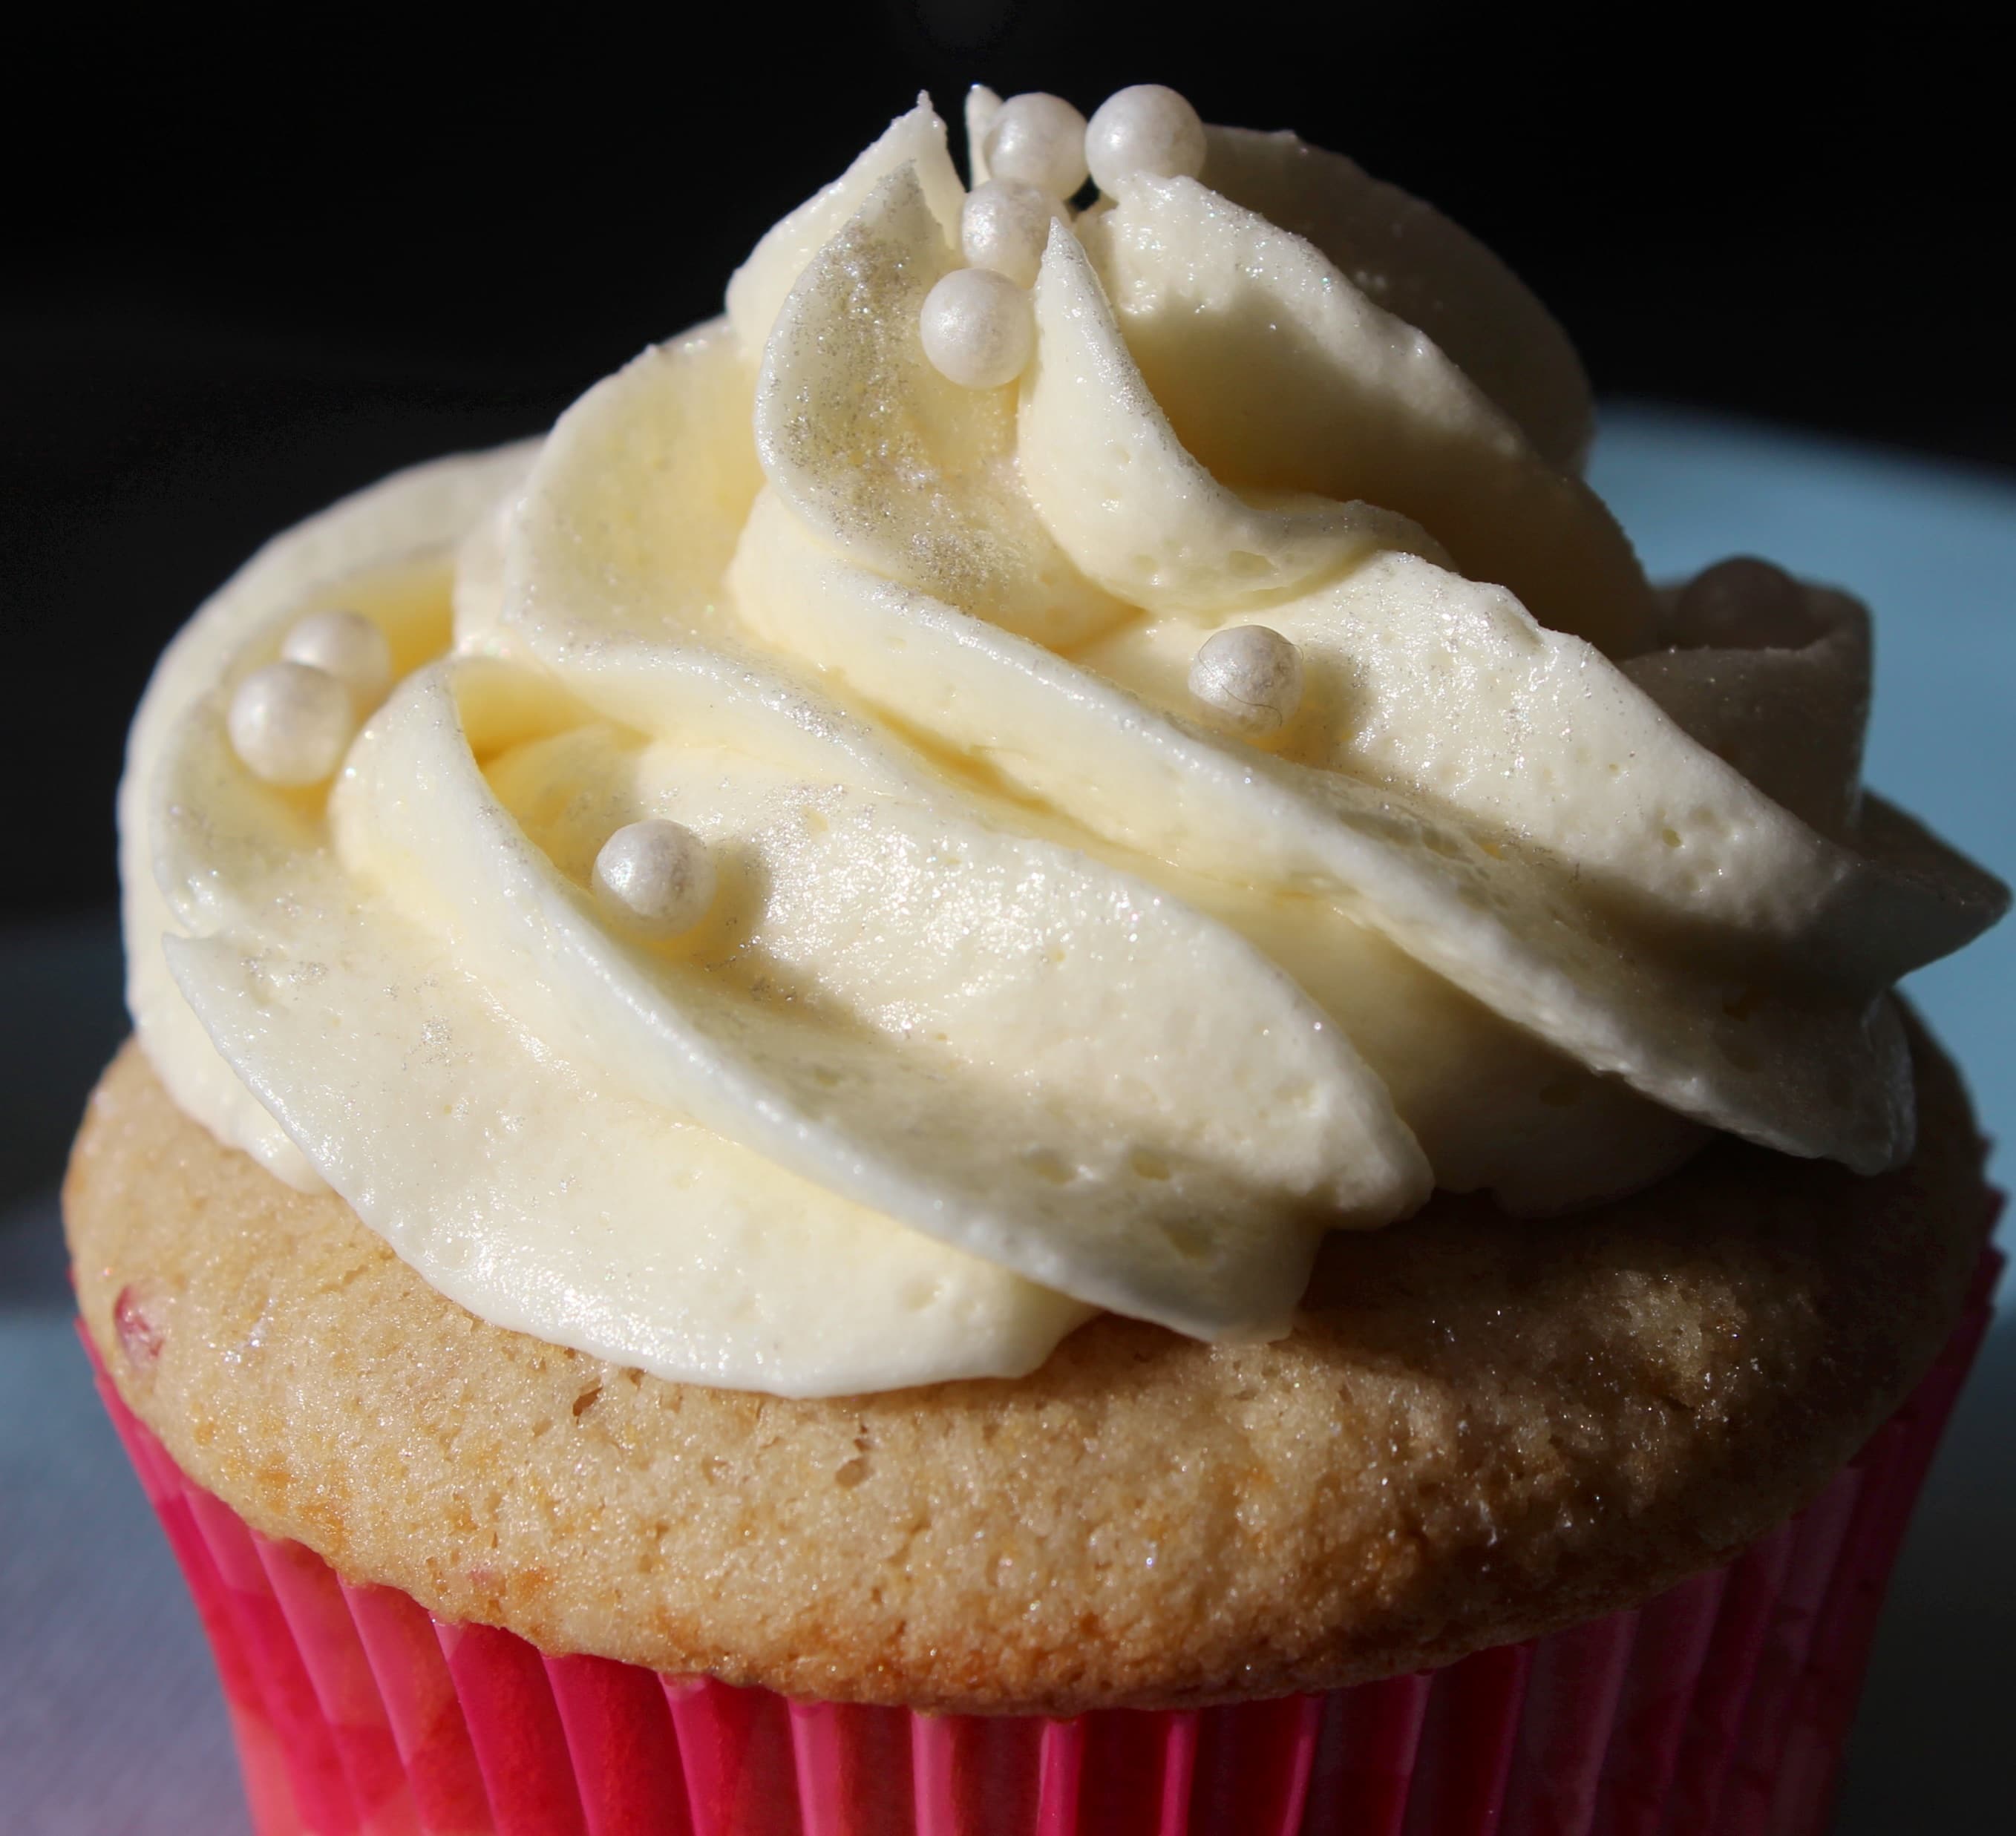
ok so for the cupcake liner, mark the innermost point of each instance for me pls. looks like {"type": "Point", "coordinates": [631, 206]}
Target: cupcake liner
{"type": "Point", "coordinates": [1719, 1708]}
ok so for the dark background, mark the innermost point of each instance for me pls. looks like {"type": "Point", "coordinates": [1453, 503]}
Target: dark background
{"type": "Point", "coordinates": [247, 271]}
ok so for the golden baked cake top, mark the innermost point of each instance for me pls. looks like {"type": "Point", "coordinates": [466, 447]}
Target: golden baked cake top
{"type": "Point", "coordinates": [1481, 1428]}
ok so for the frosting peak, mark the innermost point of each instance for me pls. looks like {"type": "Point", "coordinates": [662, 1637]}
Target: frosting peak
{"type": "Point", "coordinates": [1029, 982]}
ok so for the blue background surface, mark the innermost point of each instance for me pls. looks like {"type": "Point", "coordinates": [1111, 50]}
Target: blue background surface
{"type": "Point", "coordinates": [1932, 548]}
{"type": "Point", "coordinates": [109, 1721]}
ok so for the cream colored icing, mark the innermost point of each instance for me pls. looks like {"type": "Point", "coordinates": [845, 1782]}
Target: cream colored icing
{"type": "Point", "coordinates": [1026, 992]}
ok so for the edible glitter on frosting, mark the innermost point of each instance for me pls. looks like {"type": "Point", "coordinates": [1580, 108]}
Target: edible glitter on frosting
{"type": "Point", "coordinates": [1027, 984]}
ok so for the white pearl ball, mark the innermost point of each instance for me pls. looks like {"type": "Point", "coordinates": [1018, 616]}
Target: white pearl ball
{"type": "Point", "coordinates": [1249, 679]}
{"type": "Point", "coordinates": [291, 723]}
{"type": "Point", "coordinates": [1040, 140]}
{"type": "Point", "coordinates": [351, 647]}
{"type": "Point", "coordinates": [1145, 129]}
{"type": "Point", "coordinates": [655, 878]}
{"type": "Point", "coordinates": [1004, 226]}
{"type": "Point", "coordinates": [978, 328]}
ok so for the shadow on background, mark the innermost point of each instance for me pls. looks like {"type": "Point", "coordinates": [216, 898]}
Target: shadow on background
{"type": "Point", "coordinates": [1930, 1752]}
{"type": "Point", "coordinates": [65, 1012]}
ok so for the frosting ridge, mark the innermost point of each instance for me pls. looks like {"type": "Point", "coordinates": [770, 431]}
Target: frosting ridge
{"type": "Point", "coordinates": [1027, 989]}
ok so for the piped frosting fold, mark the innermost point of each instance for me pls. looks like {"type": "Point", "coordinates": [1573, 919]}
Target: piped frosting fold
{"type": "Point", "coordinates": [1028, 990]}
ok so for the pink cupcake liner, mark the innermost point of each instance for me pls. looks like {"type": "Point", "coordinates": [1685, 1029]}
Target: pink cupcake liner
{"type": "Point", "coordinates": [1720, 1708]}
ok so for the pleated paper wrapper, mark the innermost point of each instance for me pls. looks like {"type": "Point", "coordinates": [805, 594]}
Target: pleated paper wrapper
{"type": "Point", "coordinates": [1719, 1708]}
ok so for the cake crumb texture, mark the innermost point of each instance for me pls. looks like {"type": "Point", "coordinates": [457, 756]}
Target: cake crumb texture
{"type": "Point", "coordinates": [1483, 1428]}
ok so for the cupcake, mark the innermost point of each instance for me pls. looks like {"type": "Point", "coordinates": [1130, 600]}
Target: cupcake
{"type": "Point", "coordinates": [1026, 1052]}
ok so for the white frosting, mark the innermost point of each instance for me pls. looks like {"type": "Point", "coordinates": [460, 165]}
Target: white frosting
{"type": "Point", "coordinates": [1024, 989]}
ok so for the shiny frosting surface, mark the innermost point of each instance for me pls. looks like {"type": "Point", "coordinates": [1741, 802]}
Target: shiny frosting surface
{"type": "Point", "coordinates": [1028, 987]}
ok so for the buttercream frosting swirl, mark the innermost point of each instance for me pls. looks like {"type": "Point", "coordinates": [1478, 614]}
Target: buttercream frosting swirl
{"type": "Point", "coordinates": [1027, 989]}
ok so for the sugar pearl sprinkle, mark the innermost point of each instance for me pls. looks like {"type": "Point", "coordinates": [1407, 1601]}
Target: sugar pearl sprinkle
{"type": "Point", "coordinates": [291, 723]}
{"type": "Point", "coordinates": [655, 878]}
{"type": "Point", "coordinates": [1146, 129]}
{"type": "Point", "coordinates": [1004, 226]}
{"type": "Point", "coordinates": [1248, 679]}
{"type": "Point", "coordinates": [351, 647]}
{"type": "Point", "coordinates": [978, 323]}
{"type": "Point", "coordinates": [978, 328]}
{"type": "Point", "coordinates": [1039, 140]}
